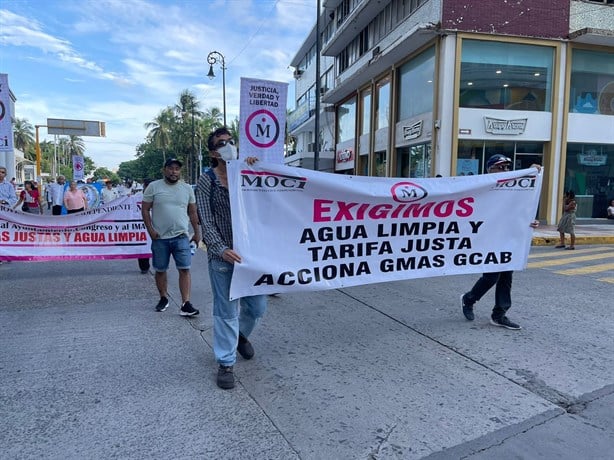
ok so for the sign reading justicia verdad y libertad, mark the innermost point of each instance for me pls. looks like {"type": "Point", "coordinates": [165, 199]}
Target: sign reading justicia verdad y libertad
{"type": "Point", "coordinates": [263, 119]}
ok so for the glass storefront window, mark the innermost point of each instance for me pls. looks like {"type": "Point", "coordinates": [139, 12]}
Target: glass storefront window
{"type": "Point", "coordinates": [382, 114]}
{"type": "Point", "coordinates": [414, 161]}
{"type": "Point", "coordinates": [510, 76]}
{"type": "Point", "coordinates": [365, 124]}
{"type": "Point", "coordinates": [346, 121]}
{"type": "Point", "coordinates": [362, 166]}
{"type": "Point", "coordinates": [473, 154]}
{"type": "Point", "coordinates": [592, 82]}
{"type": "Point", "coordinates": [416, 85]}
{"type": "Point", "coordinates": [589, 173]}
{"type": "Point", "coordinates": [380, 164]}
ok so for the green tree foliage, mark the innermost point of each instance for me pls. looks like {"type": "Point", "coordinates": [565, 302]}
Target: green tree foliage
{"type": "Point", "coordinates": [23, 138]}
{"type": "Point", "coordinates": [178, 131]}
{"type": "Point", "coordinates": [105, 174]}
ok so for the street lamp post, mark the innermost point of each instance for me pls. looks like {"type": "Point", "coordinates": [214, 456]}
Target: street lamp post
{"type": "Point", "coordinates": [200, 153]}
{"type": "Point", "coordinates": [213, 58]}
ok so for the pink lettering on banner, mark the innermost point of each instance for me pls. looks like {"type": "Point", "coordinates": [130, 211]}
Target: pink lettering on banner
{"type": "Point", "coordinates": [336, 211]}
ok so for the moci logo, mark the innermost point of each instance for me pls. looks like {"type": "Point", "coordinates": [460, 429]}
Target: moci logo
{"type": "Point", "coordinates": [522, 183]}
{"type": "Point", "coordinates": [408, 192]}
{"type": "Point", "coordinates": [269, 180]}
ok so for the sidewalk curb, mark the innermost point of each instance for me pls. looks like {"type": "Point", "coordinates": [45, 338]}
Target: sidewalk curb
{"type": "Point", "coordinates": [554, 240]}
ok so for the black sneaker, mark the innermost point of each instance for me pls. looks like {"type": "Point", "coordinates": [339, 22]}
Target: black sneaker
{"type": "Point", "coordinates": [188, 310]}
{"type": "Point", "coordinates": [162, 304]}
{"type": "Point", "coordinates": [225, 377]}
{"type": "Point", "coordinates": [505, 322]}
{"type": "Point", "coordinates": [245, 347]}
{"type": "Point", "coordinates": [467, 309]}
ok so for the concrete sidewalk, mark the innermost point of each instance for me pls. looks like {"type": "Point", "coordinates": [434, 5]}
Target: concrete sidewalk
{"type": "Point", "coordinates": [547, 235]}
{"type": "Point", "coordinates": [386, 371]}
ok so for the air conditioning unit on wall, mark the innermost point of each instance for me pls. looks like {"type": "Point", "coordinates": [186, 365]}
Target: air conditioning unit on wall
{"type": "Point", "coordinates": [298, 73]}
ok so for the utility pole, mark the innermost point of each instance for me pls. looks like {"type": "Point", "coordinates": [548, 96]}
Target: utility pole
{"type": "Point", "coordinates": [316, 145]}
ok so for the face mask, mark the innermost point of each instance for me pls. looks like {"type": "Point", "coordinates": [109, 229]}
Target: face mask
{"type": "Point", "coordinates": [228, 152]}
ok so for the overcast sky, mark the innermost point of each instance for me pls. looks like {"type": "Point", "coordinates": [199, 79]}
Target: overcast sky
{"type": "Point", "coordinates": [123, 61]}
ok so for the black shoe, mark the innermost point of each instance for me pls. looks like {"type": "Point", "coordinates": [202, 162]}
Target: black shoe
{"type": "Point", "coordinates": [225, 377]}
{"type": "Point", "coordinates": [245, 347]}
{"type": "Point", "coordinates": [467, 309]}
{"type": "Point", "coordinates": [505, 322]}
{"type": "Point", "coordinates": [188, 310]}
{"type": "Point", "coordinates": [162, 304]}
{"type": "Point", "coordinates": [144, 272]}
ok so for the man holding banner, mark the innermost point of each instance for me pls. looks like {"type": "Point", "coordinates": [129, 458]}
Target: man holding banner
{"type": "Point", "coordinates": [232, 324]}
{"type": "Point", "coordinates": [503, 280]}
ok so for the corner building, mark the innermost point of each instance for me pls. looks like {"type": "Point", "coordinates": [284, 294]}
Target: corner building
{"type": "Point", "coordinates": [415, 88]}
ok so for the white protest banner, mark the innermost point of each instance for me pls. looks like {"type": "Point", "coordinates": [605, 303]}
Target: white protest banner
{"type": "Point", "coordinates": [263, 120]}
{"type": "Point", "coordinates": [116, 231]}
{"type": "Point", "coordinates": [78, 166]}
{"type": "Point", "coordinates": [299, 230]}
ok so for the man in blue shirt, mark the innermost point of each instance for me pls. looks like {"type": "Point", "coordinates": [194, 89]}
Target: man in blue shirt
{"type": "Point", "coordinates": [8, 197]}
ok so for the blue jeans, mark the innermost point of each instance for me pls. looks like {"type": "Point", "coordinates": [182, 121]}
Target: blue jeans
{"type": "Point", "coordinates": [227, 320]}
{"type": "Point", "coordinates": [179, 247]}
{"type": "Point", "coordinates": [503, 291]}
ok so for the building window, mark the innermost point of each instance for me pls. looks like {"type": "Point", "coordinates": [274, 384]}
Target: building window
{"type": "Point", "coordinates": [346, 121]}
{"type": "Point", "coordinates": [379, 167]}
{"type": "Point", "coordinates": [414, 161]}
{"type": "Point", "coordinates": [473, 154]}
{"type": "Point", "coordinates": [365, 112]}
{"type": "Point", "coordinates": [382, 107]}
{"type": "Point", "coordinates": [416, 85]}
{"type": "Point", "coordinates": [589, 172]}
{"type": "Point", "coordinates": [509, 76]}
{"type": "Point", "coordinates": [354, 51]}
{"type": "Point", "coordinates": [592, 82]}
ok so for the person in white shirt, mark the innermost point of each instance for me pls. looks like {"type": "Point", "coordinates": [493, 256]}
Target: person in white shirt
{"type": "Point", "coordinates": [57, 195]}
{"type": "Point", "coordinates": [109, 193]}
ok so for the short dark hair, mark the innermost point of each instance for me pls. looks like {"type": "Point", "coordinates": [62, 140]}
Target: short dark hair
{"type": "Point", "coordinates": [216, 133]}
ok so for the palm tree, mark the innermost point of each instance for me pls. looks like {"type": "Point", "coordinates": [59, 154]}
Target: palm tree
{"type": "Point", "coordinates": [187, 111]}
{"type": "Point", "coordinates": [234, 130]}
{"type": "Point", "coordinates": [214, 116]}
{"type": "Point", "coordinates": [62, 151]}
{"type": "Point", "coordinates": [160, 129]}
{"type": "Point", "coordinates": [23, 136]}
{"type": "Point", "coordinates": [76, 145]}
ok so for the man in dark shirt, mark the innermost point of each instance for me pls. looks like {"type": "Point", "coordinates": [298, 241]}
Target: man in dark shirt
{"type": "Point", "coordinates": [231, 324]}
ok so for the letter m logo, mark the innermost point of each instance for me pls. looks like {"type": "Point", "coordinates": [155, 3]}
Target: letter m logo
{"type": "Point", "coordinates": [262, 130]}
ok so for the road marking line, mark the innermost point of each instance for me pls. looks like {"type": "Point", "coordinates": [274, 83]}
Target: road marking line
{"type": "Point", "coordinates": [565, 253]}
{"type": "Point", "coordinates": [607, 280]}
{"type": "Point", "coordinates": [569, 260]}
{"type": "Point", "coordinates": [586, 270]}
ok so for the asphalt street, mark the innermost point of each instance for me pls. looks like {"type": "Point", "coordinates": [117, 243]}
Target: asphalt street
{"type": "Point", "coordinates": [89, 371]}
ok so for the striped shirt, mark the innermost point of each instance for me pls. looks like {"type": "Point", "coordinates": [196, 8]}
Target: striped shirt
{"type": "Point", "coordinates": [213, 205]}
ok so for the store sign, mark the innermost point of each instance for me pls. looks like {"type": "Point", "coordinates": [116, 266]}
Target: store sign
{"type": "Point", "coordinates": [592, 158]}
{"type": "Point", "coordinates": [345, 155]}
{"type": "Point", "coordinates": [413, 131]}
{"type": "Point", "coordinates": [498, 126]}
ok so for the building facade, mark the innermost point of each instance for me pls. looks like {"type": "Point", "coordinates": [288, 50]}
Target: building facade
{"type": "Point", "coordinates": [424, 87]}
